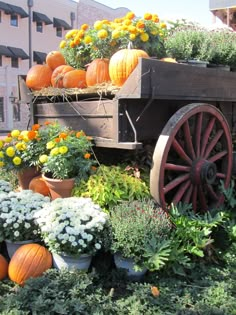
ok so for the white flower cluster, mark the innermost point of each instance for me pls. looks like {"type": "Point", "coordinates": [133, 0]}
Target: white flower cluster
{"type": "Point", "coordinates": [17, 214]}
{"type": "Point", "coordinates": [72, 225]}
{"type": "Point", "coordinates": [5, 187]}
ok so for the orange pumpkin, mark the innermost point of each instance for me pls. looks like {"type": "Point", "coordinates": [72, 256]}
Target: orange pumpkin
{"type": "Point", "coordinates": [58, 75]}
{"type": "Point", "coordinates": [29, 261]}
{"type": "Point", "coordinates": [3, 267]}
{"type": "Point", "coordinates": [38, 77]}
{"type": "Point", "coordinates": [98, 72]}
{"type": "Point", "coordinates": [122, 63]}
{"type": "Point", "coordinates": [75, 79]}
{"type": "Point", "coordinates": [55, 59]}
{"type": "Point", "coordinates": [38, 184]}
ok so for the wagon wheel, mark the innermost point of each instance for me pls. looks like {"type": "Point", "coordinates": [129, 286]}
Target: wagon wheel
{"type": "Point", "coordinates": [192, 155]}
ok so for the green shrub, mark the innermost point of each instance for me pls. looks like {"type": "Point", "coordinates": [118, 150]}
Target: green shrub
{"type": "Point", "coordinates": [110, 185]}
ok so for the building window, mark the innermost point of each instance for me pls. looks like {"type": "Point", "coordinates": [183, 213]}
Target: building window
{"type": "Point", "coordinates": [16, 111]}
{"type": "Point", "coordinates": [14, 62]}
{"type": "Point", "coordinates": [14, 20]}
{"type": "Point", "coordinates": [39, 27]}
{"type": "Point", "coordinates": [1, 110]}
{"type": "Point", "coordinates": [0, 60]}
{"type": "Point", "coordinates": [59, 31]}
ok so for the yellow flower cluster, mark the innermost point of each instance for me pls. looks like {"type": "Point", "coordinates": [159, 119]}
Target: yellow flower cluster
{"type": "Point", "coordinates": [104, 38]}
{"type": "Point", "coordinates": [13, 147]}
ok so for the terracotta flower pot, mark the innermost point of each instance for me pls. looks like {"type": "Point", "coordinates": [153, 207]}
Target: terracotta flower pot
{"type": "Point", "coordinates": [26, 175]}
{"type": "Point", "coordinates": [59, 188]}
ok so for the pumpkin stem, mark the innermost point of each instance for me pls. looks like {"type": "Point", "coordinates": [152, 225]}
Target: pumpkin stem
{"type": "Point", "coordinates": [130, 45]}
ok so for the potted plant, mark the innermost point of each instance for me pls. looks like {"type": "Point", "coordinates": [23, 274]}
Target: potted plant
{"type": "Point", "coordinates": [140, 231]}
{"type": "Point", "coordinates": [69, 159]}
{"type": "Point", "coordinates": [74, 229]}
{"type": "Point", "coordinates": [20, 150]}
{"type": "Point", "coordinates": [104, 38]}
{"type": "Point", "coordinates": [17, 223]}
{"type": "Point", "coordinates": [189, 43]}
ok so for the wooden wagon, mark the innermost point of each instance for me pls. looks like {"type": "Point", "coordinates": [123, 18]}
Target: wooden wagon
{"type": "Point", "coordinates": [188, 112]}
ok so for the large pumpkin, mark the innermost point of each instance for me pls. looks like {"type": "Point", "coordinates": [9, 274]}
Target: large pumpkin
{"type": "Point", "coordinates": [29, 260]}
{"type": "Point", "coordinates": [98, 72]}
{"type": "Point", "coordinates": [3, 267]}
{"type": "Point", "coordinates": [75, 79]}
{"type": "Point", "coordinates": [58, 75]}
{"type": "Point", "coordinates": [38, 77]}
{"type": "Point", "coordinates": [122, 63]}
{"type": "Point", "coordinates": [38, 184]}
{"type": "Point", "coordinates": [55, 59]}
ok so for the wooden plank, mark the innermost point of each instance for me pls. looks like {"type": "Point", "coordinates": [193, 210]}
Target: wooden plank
{"type": "Point", "coordinates": [163, 80]}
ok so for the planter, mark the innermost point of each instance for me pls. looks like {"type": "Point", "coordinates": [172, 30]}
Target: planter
{"type": "Point", "coordinates": [61, 261]}
{"type": "Point", "coordinates": [59, 188]}
{"type": "Point", "coordinates": [26, 175]}
{"type": "Point", "coordinates": [128, 264]}
{"type": "Point", "coordinates": [13, 246]}
{"type": "Point", "coordinates": [198, 63]}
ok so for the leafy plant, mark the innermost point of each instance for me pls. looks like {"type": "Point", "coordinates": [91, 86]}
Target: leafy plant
{"type": "Point", "coordinates": [109, 185]}
{"type": "Point", "coordinates": [140, 230]}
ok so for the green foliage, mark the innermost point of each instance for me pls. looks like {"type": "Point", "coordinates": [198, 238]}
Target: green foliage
{"type": "Point", "coordinates": [191, 236]}
{"type": "Point", "coordinates": [110, 185]}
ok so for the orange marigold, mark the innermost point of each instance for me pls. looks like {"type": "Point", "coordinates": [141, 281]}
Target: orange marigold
{"type": "Point", "coordinates": [155, 291]}
{"type": "Point", "coordinates": [35, 127]}
{"type": "Point", "coordinates": [84, 27]}
{"type": "Point", "coordinates": [87, 155]}
{"type": "Point", "coordinates": [32, 134]}
{"type": "Point", "coordinates": [47, 123]}
{"type": "Point", "coordinates": [147, 16]}
{"type": "Point", "coordinates": [62, 135]}
{"type": "Point", "coordinates": [140, 24]}
{"type": "Point", "coordinates": [130, 15]}
{"type": "Point", "coordinates": [57, 140]}
{"type": "Point", "coordinates": [80, 134]}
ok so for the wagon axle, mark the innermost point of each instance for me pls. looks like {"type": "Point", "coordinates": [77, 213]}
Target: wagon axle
{"type": "Point", "coordinates": [203, 172]}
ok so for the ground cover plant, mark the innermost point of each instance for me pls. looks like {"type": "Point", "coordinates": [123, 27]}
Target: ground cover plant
{"type": "Point", "coordinates": [199, 277]}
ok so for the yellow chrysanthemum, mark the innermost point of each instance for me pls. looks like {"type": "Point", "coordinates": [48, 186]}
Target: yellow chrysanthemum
{"type": "Point", "coordinates": [163, 25]}
{"type": "Point", "coordinates": [132, 36]}
{"type": "Point", "coordinates": [98, 25]}
{"type": "Point", "coordinates": [115, 34]}
{"type": "Point", "coordinates": [8, 139]}
{"type": "Point", "coordinates": [54, 151]}
{"type": "Point", "coordinates": [1, 144]}
{"type": "Point", "coordinates": [63, 149]}
{"type": "Point", "coordinates": [1, 154]}
{"type": "Point", "coordinates": [15, 133]}
{"type": "Point", "coordinates": [102, 34]}
{"type": "Point", "coordinates": [20, 146]}
{"type": "Point", "coordinates": [17, 160]}
{"type": "Point", "coordinates": [144, 37]}
{"type": "Point", "coordinates": [50, 145]}
{"type": "Point", "coordinates": [1, 164]}
{"type": "Point", "coordinates": [63, 44]}
{"type": "Point", "coordinates": [87, 39]}
{"type": "Point", "coordinates": [10, 151]}
{"type": "Point", "coordinates": [43, 158]}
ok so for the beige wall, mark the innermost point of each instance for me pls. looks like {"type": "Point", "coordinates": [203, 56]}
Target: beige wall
{"type": "Point", "coordinates": [86, 11]}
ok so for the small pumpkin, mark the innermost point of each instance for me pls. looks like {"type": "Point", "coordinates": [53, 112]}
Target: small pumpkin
{"type": "Point", "coordinates": [98, 72]}
{"type": "Point", "coordinates": [3, 267]}
{"type": "Point", "coordinates": [122, 63]}
{"type": "Point", "coordinates": [29, 261]}
{"type": "Point", "coordinates": [55, 59]}
{"type": "Point", "coordinates": [58, 75]}
{"type": "Point", "coordinates": [38, 184]}
{"type": "Point", "coordinates": [38, 77]}
{"type": "Point", "coordinates": [75, 79]}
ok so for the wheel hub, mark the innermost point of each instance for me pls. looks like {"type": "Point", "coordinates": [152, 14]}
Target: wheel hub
{"type": "Point", "coordinates": [203, 172]}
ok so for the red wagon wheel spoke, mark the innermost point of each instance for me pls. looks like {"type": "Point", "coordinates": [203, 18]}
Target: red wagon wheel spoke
{"type": "Point", "coordinates": [192, 155]}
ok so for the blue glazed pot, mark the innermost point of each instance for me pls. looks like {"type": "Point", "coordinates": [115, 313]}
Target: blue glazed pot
{"type": "Point", "coordinates": [63, 261]}
{"type": "Point", "coordinates": [128, 264]}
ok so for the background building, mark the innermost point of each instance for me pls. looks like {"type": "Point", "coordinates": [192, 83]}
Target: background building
{"type": "Point", "coordinates": [29, 30]}
{"type": "Point", "coordinates": [225, 10]}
